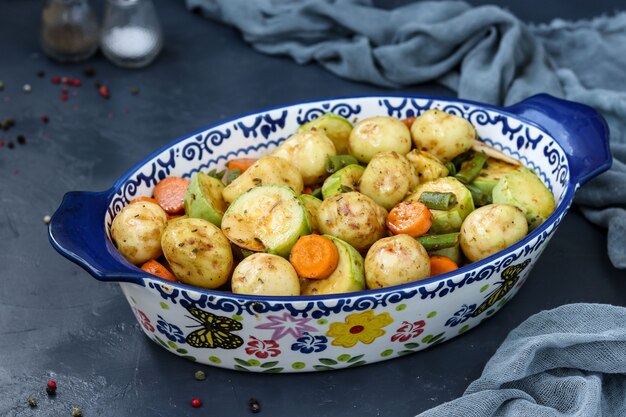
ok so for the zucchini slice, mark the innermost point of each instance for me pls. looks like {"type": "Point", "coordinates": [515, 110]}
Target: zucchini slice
{"type": "Point", "coordinates": [267, 218]}
{"type": "Point", "coordinates": [203, 199]}
{"type": "Point", "coordinates": [312, 204]}
{"type": "Point", "coordinates": [337, 129]}
{"type": "Point", "coordinates": [349, 276]}
{"type": "Point", "coordinates": [491, 173]}
{"type": "Point", "coordinates": [343, 181]}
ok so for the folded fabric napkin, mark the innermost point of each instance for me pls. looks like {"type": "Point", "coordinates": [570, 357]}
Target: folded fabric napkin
{"type": "Point", "coordinates": [553, 366]}
{"type": "Point", "coordinates": [483, 53]}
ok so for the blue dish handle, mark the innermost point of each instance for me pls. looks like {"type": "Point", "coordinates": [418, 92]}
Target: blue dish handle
{"type": "Point", "coordinates": [580, 130]}
{"type": "Point", "coordinates": [77, 231]}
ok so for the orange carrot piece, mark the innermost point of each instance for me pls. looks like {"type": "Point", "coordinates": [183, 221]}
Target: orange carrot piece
{"type": "Point", "coordinates": [411, 218]}
{"type": "Point", "coordinates": [307, 190]}
{"type": "Point", "coordinates": [441, 264]}
{"type": "Point", "coordinates": [314, 256]}
{"type": "Point", "coordinates": [170, 193]}
{"type": "Point", "coordinates": [241, 163]}
{"type": "Point", "coordinates": [408, 121]}
{"type": "Point", "coordinates": [144, 198]}
{"type": "Point", "coordinates": [156, 268]}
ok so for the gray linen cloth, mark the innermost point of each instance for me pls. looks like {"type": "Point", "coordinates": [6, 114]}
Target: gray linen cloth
{"type": "Point", "coordinates": [483, 53]}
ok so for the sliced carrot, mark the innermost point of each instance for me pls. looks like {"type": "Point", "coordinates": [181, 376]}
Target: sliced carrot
{"type": "Point", "coordinates": [156, 268]}
{"type": "Point", "coordinates": [411, 218]}
{"type": "Point", "coordinates": [314, 256]}
{"type": "Point", "coordinates": [408, 121]}
{"type": "Point", "coordinates": [170, 193]}
{"type": "Point", "coordinates": [241, 163]}
{"type": "Point", "coordinates": [307, 190]}
{"type": "Point", "coordinates": [441, 264]}
{"type": "Point", "coordinates": [144, 198]}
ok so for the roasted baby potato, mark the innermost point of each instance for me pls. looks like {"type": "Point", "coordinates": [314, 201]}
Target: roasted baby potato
{"type": "Point", "coordinates": [354, 218]}
{"type": "Point", "coordinates": [379, 134]}
{"type": "Point", "coordinates": [396, 260]}
{"type": "Point", "coordinates": [442, 134]}
{"type": "Point", "coordinates": [307, 151]}
{"type": "Point", "coordinates": [388, 178]}
{"type": "Point", "coordinates": [136, 231]}
{"type": "Point", "coordinates": [198, 252]}
{"type": "Point", "coordinates": [265, 274]}
{"type": "Point", "coordinates": [490, 229]}
{"type": "Point", "coordinates": [267, 170]}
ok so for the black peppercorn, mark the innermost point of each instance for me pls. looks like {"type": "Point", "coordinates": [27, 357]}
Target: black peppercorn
{"type": "Point", "coordinates": [21, 139]}
{"type": "Point", "coordinates": [41, 74]}
{"type": "Point", "coordinates": [89, 71]}
{"type": "Point", "coordinates": [254, 405]}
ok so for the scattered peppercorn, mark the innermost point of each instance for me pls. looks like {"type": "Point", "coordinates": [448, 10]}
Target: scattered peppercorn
{"type": "Point", "coordinates": [254, 405]}
{"type": "Point", "coordinates": [77, 412]}
{"type": "Point", "coordinates": [65, 90]}
{"type": "Point", "coordinates": [64, 80]}
{"type": "Point", "coordinates": [76, 82]}
{"type": "Point", "coordinates": [55, 80]}
{"type": "Point", "coordinates": [199, 375]}
{"type": "Point", "coordinates": [134, 90]}
{"type": "Point", "coordinates": [8, 123]}
{"type": "Point", "coordinates": [41, 74]}
{"type": "Point", "coordinates": [196, 402]}
{"type": "Point", "coordinates": [27, 88]}
{"type": "Point", "coordinates": [98, 84]}
{"type": "Point", "coordinates": [45, 118]}
{"type": "Point", "coordinates": [21, 139]}
{"type": "Point", "coordinates": [1, 85]}
{"type": "Point", "coordinates": [10, 145]}
{"type": "Point", "coordinates": [65, 97]}
{"type": "Point", "coordinates": [32, 402]}
{"type": "Point", "coordinates": [1, 143]}
{"type": "Point", "coordinates": [89, 71]}
{"type": "Point", "coordinates": [46, 219]}
{"type": "Point", "coordinates": [104, 91]}
{"type": "Point", "coordinates": [51, 387]}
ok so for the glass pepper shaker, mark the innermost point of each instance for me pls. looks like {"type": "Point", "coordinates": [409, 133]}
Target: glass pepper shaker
{"type": "Point", "coordinates": [69, 30]}
{"type": "Point", "coordinates": [131, 34]}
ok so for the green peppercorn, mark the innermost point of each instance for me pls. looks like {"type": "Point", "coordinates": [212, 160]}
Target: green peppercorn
{"type": "Point", "coordinates": [134, 90]}
{"type": "Point", "coordinates": [32, 402]}
{"type": "Point", "coordinates": [199, 375]}
{"type": "Point", "coordinates": [77, 412]}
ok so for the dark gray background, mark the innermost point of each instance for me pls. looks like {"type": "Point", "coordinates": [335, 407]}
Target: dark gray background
{"type": "Point", "coordinates": [57, 322]}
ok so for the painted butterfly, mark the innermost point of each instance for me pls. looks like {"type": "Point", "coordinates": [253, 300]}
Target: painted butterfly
{"type": "Point", "coordinates": [510, 276]}
{"type": "Point", "coordinates": [215, 331]}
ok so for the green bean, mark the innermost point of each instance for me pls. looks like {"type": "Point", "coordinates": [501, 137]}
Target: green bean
{"type": "Point", "coordinates": [451, 168]}
{"type": "Point", "coordinates": [459, 159]}
{"type": "Point", "coordinates": [480, 198]}
{"type": "Point", "coordinates": [231, 175]}
{"type": "Point", "coordinates": [470, 169]}
{"type": "Point", "coordinates": [317, 193]}
{"type": "Point", "coordinates": [437, 200]}
{"type": "Point", "coordinates": [215, 174]}
{"type": "Point", "coordinates": [436, 242]}
{"type": "Point", "coordinates": [336, 162]}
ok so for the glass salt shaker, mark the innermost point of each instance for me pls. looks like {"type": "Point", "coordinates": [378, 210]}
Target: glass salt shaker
{"type": "Point", "coordinates": [69, 30]}
{"type": "Point", "coordinates": [131, 34]}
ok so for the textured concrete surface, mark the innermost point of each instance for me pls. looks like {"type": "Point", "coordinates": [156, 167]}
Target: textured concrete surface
{"type": "Point", "coordinates": [57, 322]}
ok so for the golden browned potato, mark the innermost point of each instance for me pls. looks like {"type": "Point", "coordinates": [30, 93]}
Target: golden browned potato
{"type": "Point", "coordinates": [265, 274]}
{"type": "Point", "coordinates": [442, 134]}
{"type": "Point", "coordinates": [269, 170]}
{"type": "Point", "coordinates": [396, 260]}
{"type": "Point", "coordinates": [308, 151]}
{"type": "Point", "coordinates": [379, 134]}
{"type": "Point", "coordinates": [388, 178]}
{"type": "Point", "coordinates": [352, 217]}
{"type": "Point", "coordinates": [427, 166]}
{"type": "Point", "coordinates": [136, 231]}
{"type": "Point", "coordinates": [490, 229]}
{"type": "Point", "coordinates": [198, 252]}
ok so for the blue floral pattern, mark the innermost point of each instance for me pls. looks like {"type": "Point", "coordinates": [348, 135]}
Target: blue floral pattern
{"type": "Point", "coordinates": [309, 343]}
{"type": "Point", "coordinates": [461, 316]}
{"type": "Point", "coordinates": [171, 331]}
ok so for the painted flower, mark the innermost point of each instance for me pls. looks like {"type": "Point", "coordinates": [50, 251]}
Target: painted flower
{"type": "Point", "coordinates": [362, 327]}
{"type": "Point", "coordinates": [286, 325]}
{"type": "Point", "coordinates": [262, 349]}
{"type": "Point", "coordinates": [143, 319]}
{"type": "Point", "coordinates": [309, 343]}
{"type": "Point", "coordinates": [171, 331]}
{"type": "Point", "coordinates": [461, 316]}
{"type": "Point", "coordinates": [408, 331]}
